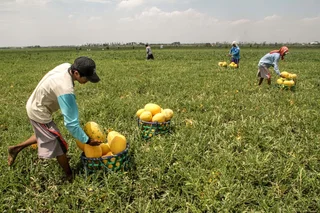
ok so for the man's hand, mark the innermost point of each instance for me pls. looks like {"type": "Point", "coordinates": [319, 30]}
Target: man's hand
{"type": "Point", "coordinates": [94, 142]}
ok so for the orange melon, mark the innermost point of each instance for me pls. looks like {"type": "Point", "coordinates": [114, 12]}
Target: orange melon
{"type": "Point", "coordinates": [80, 145]}
{"type": "Point", "coordinates": [105, 148]}
{"type": "Point", "coordinates": [92, 151]}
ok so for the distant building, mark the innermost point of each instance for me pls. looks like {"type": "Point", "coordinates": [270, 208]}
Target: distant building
{"type": "Point", "coordinates": [314, 42]}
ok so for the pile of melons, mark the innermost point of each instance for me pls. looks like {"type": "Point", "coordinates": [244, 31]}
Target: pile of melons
{"type": "Point", "coordinates": [223, 64]}
{"type": "Point", "coordinates": [112, 143]}
{"type": "Point", "coordinates": [233, 65]}
{"type": "Point", "coordinates": [154, 113]}
{"type": "Point", "coordinates": [288, 79]}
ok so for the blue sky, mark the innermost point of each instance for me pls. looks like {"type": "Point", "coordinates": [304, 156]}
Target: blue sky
{"type": "Point", "coordinates": [76, 22]}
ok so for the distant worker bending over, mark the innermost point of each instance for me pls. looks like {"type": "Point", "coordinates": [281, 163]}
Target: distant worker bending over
{"type": "Point", "coordinates": [149, 52]}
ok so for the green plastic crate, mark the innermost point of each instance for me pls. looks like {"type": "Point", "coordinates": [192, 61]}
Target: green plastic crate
{"type": "Point", "coordinates": [118, 162]}
{"type": "Point", "coordinates": [150, 129]}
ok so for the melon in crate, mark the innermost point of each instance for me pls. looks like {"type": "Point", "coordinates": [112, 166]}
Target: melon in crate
{"type": "Point", "coordinates": [117, 144]}
{"type": "Point", "coordinates": [159, 117]}
{"type": "Point", "coordinates": [168, 113]}
{"type": "Point", "coordinates": [92, 151]}
{"type": "Point", "coordinates": [94, 131]}
{"type": "Point", "coordinates": [146, 116]}
{"type": "Point", "coordinates": [138, 113]}
{"type": "Point", "coordinates": [105, 148]}
{"type": "Point", "coordinates": [80, 145]}
{"type": "Point", "coordinates": [153, 108]}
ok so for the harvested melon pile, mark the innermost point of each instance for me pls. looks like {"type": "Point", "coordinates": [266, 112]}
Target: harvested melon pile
{"type": "Point", "coordinates": [223, 64]}
{"type": "Point", "coordinates": [288, 80]}
{"type": "Point", "coordinates": [154, 113]}
{"type": "Point", "coordinates": [233, 65]}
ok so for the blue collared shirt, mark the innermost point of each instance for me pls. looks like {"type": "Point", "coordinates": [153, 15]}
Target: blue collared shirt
{"type": "Point", "coordinates": [271, 60]}
{"type": "Point", "coordinates": [235, 52]}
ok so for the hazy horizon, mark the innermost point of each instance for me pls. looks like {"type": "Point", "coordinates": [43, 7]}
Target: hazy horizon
{"type": "Point", "coordinates": [79, 22]}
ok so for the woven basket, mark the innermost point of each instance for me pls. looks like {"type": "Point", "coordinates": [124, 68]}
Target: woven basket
{"type": "Point", "coordinates": [113, 163]}
{"type": "Point", "coordinates": [150, 129]}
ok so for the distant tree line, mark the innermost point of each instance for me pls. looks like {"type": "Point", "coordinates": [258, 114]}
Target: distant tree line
{"type": "Point", "coordinates": [133, 45]}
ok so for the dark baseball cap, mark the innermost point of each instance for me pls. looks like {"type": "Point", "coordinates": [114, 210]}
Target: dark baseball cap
{"type": "Point", "coordinates": [86, 67]}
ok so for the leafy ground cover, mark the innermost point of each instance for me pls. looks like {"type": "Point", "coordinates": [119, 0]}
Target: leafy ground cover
{"type": "Point", "coordinates": [235, 147]}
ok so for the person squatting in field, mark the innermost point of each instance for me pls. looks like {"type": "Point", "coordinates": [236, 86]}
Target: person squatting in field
{"type": "Point", "coordinates": [149, 52]}
{"type": "Point", "coordinates": [234, 53]}
{"type": "Point", "coordinates": [56, 91]}
{"type": "Point", "coordinates": [271, 59]}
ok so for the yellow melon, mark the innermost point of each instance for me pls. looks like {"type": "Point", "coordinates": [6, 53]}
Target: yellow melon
{"type": "Point", "coordinates": [285, 74]}
{"type": "Point", "coordinates": [93, 130]}
{"type": "Point", "coordinates": [220, 64]}
{"type": "Point", "coordinates": [279, 81]}
{"type": "Point", "coordinates": [159, 117]}
{"type": "Point", "coordinates": [111, 135]}
{"type": "Point", "coordinates": [146, 116]}
{"type": "Point", "coordinates": [224, 64]}
{"type": "Point", "coordinates": [153, 108]}
{"type": "Point", "coordinates": [234, 65]}
{"type": "Point", "coordinates": [289, 83]}
{"type": "Point", "coordinates": [105, 148]}
{"type": "Point", "coordinates": [294, 76]}
{"type": "Point", "coordinates": [118, 144]}
{"type": "Point", "coordinates": [92, 151]}
{"type": "Point", "coordinates": [80, 145]}
{"type": "Point", "coordinates": [168, 113]}
{"type": "Point", "coordinates": [108, 154]}
{"type": "Point", "coordinates": [138, 113]}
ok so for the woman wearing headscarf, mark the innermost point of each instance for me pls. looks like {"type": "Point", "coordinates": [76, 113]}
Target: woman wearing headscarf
{"type": "Point", "coordinates": [271, 59]}
{"type": "Point", "coordinates": [234, 53]}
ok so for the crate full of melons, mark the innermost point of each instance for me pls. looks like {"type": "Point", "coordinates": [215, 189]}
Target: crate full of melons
{"type": "Point", "coordinates": [110, 155]}
{"type": "Point", "coordinates": [154, 120]}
